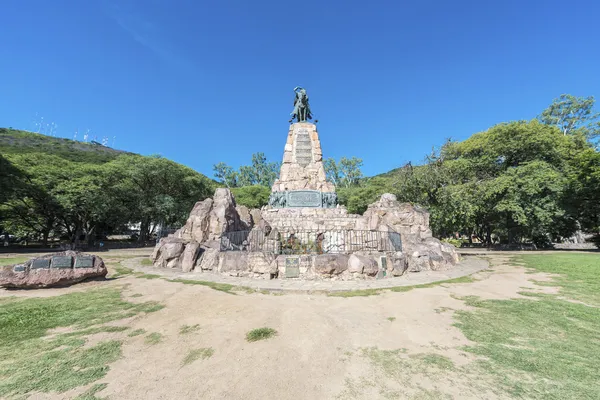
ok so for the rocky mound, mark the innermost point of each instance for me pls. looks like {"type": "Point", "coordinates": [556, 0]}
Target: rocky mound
{"type": "Point", "coordinates": [197, 244]}
{"type": "Point", "coordinates": [58, 269]}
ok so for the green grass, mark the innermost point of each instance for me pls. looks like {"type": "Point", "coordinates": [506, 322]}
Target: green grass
{"type": "Point", "coordinates": [90, 394]}
{"type": "Point", "coordinates": [137, 332]}
{"type": "Point", "coordinates": [153, 338]}
{"type": "Point", "coordinates": [121, 271]}
{"type": "Point", "coordinates": [13, 260]}
{"type": "Point", "coordinates": [355, 293]}
{"type": "Point", "coordinates": [148, 276]}
{"type": "Point", "coordinates": [185, 329]}
{"type": "Point", "coordinates": [32, 362]}
{"type": "Point", "coordinates": [197, 354]}
{"type": "Point", "coordinates": [391, 319]}
{"type": "Point", "coordinates": [136, 295]}
{"type": "Point", "coordinates": [372, 292]}
{"type": "Point", "coordinates": [146, 262]}
{"type": "Point", "coordinates": [543, 346]}
{"type": "Point", "coordinates": [260, 334]}
{"type": "Point", "coordinates": [222, 287]}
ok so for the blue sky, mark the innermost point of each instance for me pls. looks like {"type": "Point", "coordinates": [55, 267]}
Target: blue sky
{"type": "Point", "coordinates": [206, 81]}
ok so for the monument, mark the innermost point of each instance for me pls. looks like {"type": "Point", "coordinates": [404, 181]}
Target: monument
{"type": "Point", "coordinates": [303, 233]}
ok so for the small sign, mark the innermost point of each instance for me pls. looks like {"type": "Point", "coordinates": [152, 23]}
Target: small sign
{"type": "Point", "coordinates": [19, 268]}
{"type": "Point", "coordinates": [62, 262]}
{"type": "Point", "coordinates": [292, 267]}
{"type": "Point", "coordinates": [84, 262]}
{"type": "Point", "coordinates": [40, 263]}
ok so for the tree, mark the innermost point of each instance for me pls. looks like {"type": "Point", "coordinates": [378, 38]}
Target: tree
{"type": "Point", "coordinates": [254, 196]}
{"type": "Point", "coordinates": [156, 190]}
{"type": "Point", "coordinates": [332, 171]}
{"type": "Point", "coordinates": [573, 114]}
{"type": "Point", "coordinates": [346, 173]}
{"type": "Point", "coordinates": [225, 174]}
{"type": "Point", "coordinates": [259, 172]}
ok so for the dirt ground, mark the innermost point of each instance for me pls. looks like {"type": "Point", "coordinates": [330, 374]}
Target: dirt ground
{"type": "Point", "coordinates": [382, 346]}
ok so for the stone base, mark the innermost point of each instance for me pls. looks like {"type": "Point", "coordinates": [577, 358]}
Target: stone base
{"type": "Point", "coordinates": [58, 269]}
{"type": "Point", "coordinates": [259, 256]}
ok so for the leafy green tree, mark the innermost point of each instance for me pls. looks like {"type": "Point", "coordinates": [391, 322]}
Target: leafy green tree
{"type": "Point", "coordinates": [157, 190]}
{"type": "Point", "coordinates": [254, 196]}
{"type": "Point", "coordinates": [259, 172]}
{"type": "Point", "coordinates": [225, 174]}
{"type": "Point", "coordinates": [332, 171]}
{"type": "Point", "coordinates": [573, 114]}
{"type": "Point", "coordinates": [584, 190]}
{"type": "Point", "coordinates": [346, 173]}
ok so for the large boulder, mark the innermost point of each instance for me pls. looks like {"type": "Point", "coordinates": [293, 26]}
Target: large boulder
{"type": "Point", "coordinates": [207, 221]}
{"type": "Point", "coordinates": [234, 263]}
{"type": "Point", "coordinates": [362, 265]}
{"type": "Point", "coordinates": [330, 264]}
{"type": "Point", "coordinates": [208, 260]}
{"type": "Point", "coordinates": [58, 269]}
{"type": "Point", "coordinates": [168, 251]}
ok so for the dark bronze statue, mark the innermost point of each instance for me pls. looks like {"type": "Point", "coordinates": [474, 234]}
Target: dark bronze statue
{"type": "Point", "coordinates": [301, 108]}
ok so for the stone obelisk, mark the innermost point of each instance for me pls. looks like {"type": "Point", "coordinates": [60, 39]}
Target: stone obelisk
{"type": "Point", "coordinates": [302, 181]}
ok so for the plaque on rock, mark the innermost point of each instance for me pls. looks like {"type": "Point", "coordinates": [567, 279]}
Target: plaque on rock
{"type": "Point", "coordinates": [292, 267]}
{"type": "Point", "coordinates": [84, 262]}
{"type": "Point", "coordinates": [19, 268]}
{"type": "Point", "coordinates": [303, 149]}
{"type": "Point", "coordinates": [62, 262]}
{"type": "Point", "coordinates": [304, 198]}
{"type": "Point", "coordinates": [40, 263]}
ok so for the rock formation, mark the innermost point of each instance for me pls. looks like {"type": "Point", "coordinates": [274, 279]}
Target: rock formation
{"type": "Point", "coordinates": [58, 269]}
{"type": "Point", "coordinates": [197, 245]}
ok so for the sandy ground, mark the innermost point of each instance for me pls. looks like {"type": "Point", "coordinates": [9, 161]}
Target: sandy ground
{"type": "Point", "coordinates": [326, 347]}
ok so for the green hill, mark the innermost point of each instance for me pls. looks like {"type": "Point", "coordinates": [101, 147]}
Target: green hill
{"type": "Point", "coordinates": [14, 141]}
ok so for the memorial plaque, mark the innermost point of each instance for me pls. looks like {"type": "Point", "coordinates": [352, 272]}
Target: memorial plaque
{"type": "Point", "coordinates": [19, 268]}
{"type": "Point", "coordinates": [304, 198]}
{"type": "Point", "coordinates": [40, 263]}
{"type": "Point", "coordinates": [396, 240]}
{"type": "Point", "coordinates": [62, 262]}
{"type": "Point", "coordinates": [303, 149]}
{"type": "Point", "coordinates": [84, 262]}
{"type": "Point", "coordinates": [292, 267]}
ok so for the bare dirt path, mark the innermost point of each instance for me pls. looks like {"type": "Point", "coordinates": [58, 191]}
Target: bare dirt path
{"type": "Point", "coordinates": [392, 345]}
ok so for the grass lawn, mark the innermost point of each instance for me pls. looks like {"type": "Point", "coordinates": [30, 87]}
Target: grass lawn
{"type": "Point", "coordinates": [544, 346]}
{"type": "Point", "coordinates": [31, 360]}
{"type": "Point", "coordinates": [12, 260]}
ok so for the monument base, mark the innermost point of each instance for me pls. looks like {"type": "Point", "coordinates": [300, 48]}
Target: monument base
{"type": "Point", "coordinates": [303, 199]}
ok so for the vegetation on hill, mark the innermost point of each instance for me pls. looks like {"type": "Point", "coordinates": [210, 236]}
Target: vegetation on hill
{"type": "Point", "coordinates": [14, 141]}
{"type": "Point", "coordinates": [56, 188]}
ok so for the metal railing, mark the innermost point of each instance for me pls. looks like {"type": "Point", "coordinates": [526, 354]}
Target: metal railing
{"type": "Point", "coordinates": [311, 242]}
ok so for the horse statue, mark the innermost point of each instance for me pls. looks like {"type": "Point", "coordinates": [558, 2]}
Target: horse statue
{"type": "Point", "coordinates": [301, 108]}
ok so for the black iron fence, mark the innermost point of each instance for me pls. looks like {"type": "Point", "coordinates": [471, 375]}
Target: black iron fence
{"type": "Point", "coordinates": [311, 242]}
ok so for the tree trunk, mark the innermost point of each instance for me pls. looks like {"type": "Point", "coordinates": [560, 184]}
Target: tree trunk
{"type": "Point", "coordinates": [144, 231]}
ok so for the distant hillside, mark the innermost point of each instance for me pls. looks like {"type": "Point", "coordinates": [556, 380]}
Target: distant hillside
{"type": "Point", "coordinates": [14, 141]}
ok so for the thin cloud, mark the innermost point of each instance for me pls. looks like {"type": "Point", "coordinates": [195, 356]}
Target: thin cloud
{"type": "Point", "coordinates": [145, 32]}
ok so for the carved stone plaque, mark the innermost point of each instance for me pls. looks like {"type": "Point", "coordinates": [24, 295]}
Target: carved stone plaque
{"type": "Point", "coordinates": [303, 148]}
{"type": "Point", "coordinates": [40, 263]}
{"type": "Point", "coordinates": [62, 262]}
{"type": "Point", "coordinates": [304, 198]}
{"type": "Point", "coordinates": [84, 262]}
{"type": "Point", "coordinates": [292, 267]}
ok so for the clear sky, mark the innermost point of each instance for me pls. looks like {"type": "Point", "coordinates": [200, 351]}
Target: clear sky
{"type": "Point", "coordinates": [206, 81]}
